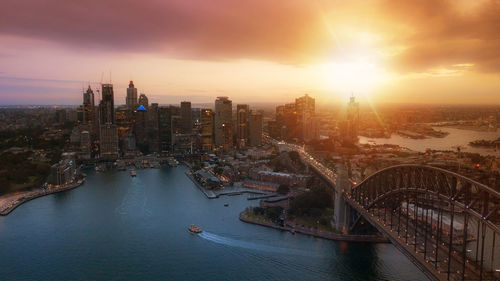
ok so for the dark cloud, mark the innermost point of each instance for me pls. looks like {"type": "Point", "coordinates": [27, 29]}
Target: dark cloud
{"type": "Point", "coordinates": [282, 30]}
{"type": "Point", "coordinates": [435, 33]}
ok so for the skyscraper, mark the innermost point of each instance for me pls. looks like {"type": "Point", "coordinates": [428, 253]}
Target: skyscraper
{"type": "Point", "coordinates": [255, 129]}
{"type": "Point", "coordinates": [186, 120]}
{"type": "Point", "coordinates": [242, 125]}
{"type": "Point", "coordinates": [107, 105]}
{"type": "Point", "coordinates": [152, 128]}
{"type": "Point", "coordinates": [223, 122]}
{"type": "Point", "coordinates": [207, 129]}
{"type": "Point", "coordinates": [108, 130]}
{"type": "Point", "coordinates": [131, 100]}
{"type": "Point", "coordinates": [305, 108]}
{"type": "Point", "coordinates": [165, 129]}
{"type": "Point", "coordinates": [143, 100]}
{"type": "Point", "coordinates": [352, 119]}
{"type": "Point", "coordinates": [109, 142]}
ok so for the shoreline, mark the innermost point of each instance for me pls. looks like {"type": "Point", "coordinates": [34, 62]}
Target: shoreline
{"type": "Point", "coordinates": [19, 199]}
{"type": "Point", "coordinates": [323, 235]}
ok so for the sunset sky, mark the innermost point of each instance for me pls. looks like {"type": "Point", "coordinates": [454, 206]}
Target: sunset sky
{"type": "Point", "coordinates": [425, 51]}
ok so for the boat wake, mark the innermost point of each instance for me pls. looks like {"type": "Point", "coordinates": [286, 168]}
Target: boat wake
{"type": "Point", "coordinates": [249, 245]}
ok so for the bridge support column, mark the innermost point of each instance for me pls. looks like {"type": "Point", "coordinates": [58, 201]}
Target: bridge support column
{"type": "Point", "coordinates": [342, 211]}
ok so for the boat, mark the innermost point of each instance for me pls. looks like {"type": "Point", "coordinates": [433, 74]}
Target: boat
{"type": "Point", "coordinates": [133, 173]}
{"type": "Point", "coordinates": [194, 229]}
{"type": "Point", "coordinates": [226, 204]}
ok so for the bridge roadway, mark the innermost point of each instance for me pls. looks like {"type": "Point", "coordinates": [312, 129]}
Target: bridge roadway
{"type": "Point", "coordinates": [438, 260]}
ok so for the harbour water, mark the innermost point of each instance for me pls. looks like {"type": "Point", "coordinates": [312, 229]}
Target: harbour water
{"type": "Point", "coordinates": [135, 228]}
{"type": "Point", "coordinates": [456, 137]}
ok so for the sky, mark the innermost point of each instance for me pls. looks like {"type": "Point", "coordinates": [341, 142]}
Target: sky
{"type": "Point", "coordinates": [381, 51]}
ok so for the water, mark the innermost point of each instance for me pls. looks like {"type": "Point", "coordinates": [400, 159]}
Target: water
{"type": "Point", "coordinates": [456, 137]}
{"type": "Point", "coordinates": [122, 228]}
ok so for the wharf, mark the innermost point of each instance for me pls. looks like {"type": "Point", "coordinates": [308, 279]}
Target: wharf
{"type": "Point", "coordinates": [237, 189]}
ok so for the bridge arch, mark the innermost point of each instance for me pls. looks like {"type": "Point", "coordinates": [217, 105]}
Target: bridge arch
{"type": "Point", "coordinates": [450, 219]}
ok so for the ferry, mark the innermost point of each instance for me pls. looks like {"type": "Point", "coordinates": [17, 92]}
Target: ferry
{"type": "Point", "coordinates": [194, 229]}
{"type": "Point", "coordinates": [133, 173]}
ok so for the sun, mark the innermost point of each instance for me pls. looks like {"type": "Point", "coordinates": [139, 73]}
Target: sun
{"type": "Point", "coordinates": [359, 75]}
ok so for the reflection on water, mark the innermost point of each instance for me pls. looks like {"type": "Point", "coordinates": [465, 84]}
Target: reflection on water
{"type": "Point", "coordinates": [456, 137]}
{"type": "Point", "coordinates": [135, 200]}
{"type": "Point", "coordinates": [115, 227]}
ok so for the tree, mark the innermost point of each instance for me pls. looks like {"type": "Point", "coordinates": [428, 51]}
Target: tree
{"type": "Point", "coordinates": [283, 189]}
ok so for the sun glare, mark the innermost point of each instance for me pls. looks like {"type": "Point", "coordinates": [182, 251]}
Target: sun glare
{"type": "Point", "coordinates": [359, 76]}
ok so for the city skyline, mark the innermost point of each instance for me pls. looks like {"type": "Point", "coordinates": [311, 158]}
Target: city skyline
{"type": "Point", "coordinates": [382, 51]}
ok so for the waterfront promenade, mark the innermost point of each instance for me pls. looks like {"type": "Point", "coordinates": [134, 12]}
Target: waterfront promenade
{"type": "Point", "coordinates": [316, 232]}
{"type": "Point", "coordinates": [11, 201]}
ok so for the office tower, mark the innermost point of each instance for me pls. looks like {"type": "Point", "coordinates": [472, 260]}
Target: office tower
{"type": "Point", "coordinates": [305, 108]}
{"type": "Point", "coordinates": [352, 119]}
{"type": "Point", "coordinates": [107, 105]}
{"type": "Point", "coordinates": [223, 122]}
{"type": "Point", "coordinates": [85, 145]}
{"type": "Point", "coordinates": [165, 129]}
{"type": "Point", "coordinates": [289, 129]}
{"type": "Point", "coordinates": [152, 137]}
{"type": "Point", "coordinates": [196, 117]}
{"type": "Point", "coordinates": [255, 129]}
{"type": "Point", "coordinates": [181, 143]}
{"type": "Point", "coordinates": [143, 100]}
{"type": "Point", "coordinates": [109, 142]}
{"type": "Point", "coordinates": [242, 125]}
{"type": "Point", "coordinates": [88, 106]}
{"type": "Point", "coordinates": [108, 134]}
{"type": "Point", "coordinates": [140, 128]}
{"type": "Point", "coordinates": [207, 129]}
{"type": "Point", "coordinates": [187, 124]}
{"type": "Point", "coordinates": [131, 100]}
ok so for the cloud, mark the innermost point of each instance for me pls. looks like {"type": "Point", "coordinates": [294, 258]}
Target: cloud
{"type": "Point", "coordinates": [281, 30]}
{"type": "Point", "coordinates": [430, 33]}
{"type": "Point", "coordinates": [442, 33]}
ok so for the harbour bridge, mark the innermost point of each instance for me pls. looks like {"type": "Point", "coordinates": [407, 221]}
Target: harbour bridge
{"type": "Point", "coordinates": [444, 222]}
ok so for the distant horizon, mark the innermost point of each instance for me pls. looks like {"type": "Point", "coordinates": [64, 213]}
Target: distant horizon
{"type": "Point", "coordinates": [428, 51]}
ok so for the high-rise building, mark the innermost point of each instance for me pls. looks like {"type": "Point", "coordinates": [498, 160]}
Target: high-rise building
{"type": "Point", "coordinates": [290, 122]}
{"type": "Point", "coordinates": [223, 122]}
{"type": "Point", "coordinates": [108, 132]}
{"type": "Point", "coordinates": [107, 105]}
{"type": "Point", "coordinates": [242, 111]}
{"type": "Point", "coordinates": [140, 128]}
{"type": "Point", "coordinates": [143, 100]}
{"type": "Point", "coordinates": [181, 143]}
{"type": "Point", "coordinates": [131, 100]}
{"type": "Point", "coordinates": [352, 118]}
{"type": "Point", "coordinates": [85, 145]}
{"type": "Point", "coordinates": [88, 115]}
{"type": "Point", "coordinates": [305, 108]}
{"type": "Point", "coordinates": [186, 118]}
{"type": "Point", "coordinates": [207, 129]}
{"type": "Point", "coordinates": [255, 129]}
{"type": "Point", "coordinates": [152, 129]}
{"type": "Point", "coordinates": [109, 142]}
{"type": "Point", "coordinates": [165, 129]}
